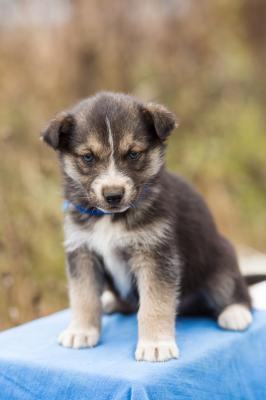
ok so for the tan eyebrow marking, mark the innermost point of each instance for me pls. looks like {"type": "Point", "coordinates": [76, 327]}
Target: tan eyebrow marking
{"type": "Point", "coordinates": [92, 144]}
{"type": "Point", "coordinates": [138, 147]}
{"type": "Point", "coordinates": [127, 143]}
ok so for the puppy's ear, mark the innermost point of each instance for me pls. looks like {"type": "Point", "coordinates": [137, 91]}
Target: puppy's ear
{"type": "Point", "coordinates": [162, 120]}
{"type": "Point", "coordinates": [58, 131]}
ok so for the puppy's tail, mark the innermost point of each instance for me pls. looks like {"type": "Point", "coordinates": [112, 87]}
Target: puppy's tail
{"type": "Point", "coordinates": [253, 279]}
{"type": "Point", "coordinates": [252, 265]}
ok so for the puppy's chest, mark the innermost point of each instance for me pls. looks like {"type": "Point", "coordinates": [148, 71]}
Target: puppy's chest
{"type": "Point", "coordinates": [109, 240]}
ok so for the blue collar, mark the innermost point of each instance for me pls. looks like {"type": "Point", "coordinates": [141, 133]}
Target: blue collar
{"type": "Point", "coordinates": [88, 211]}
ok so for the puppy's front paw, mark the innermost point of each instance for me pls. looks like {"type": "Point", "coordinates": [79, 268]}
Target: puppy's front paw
{"type": "Point", "coordinates": [161, 350]}
{"type": "Point", "coordinates": [79, 337]}
{"type": "Point", "coordinates": [236, 317]}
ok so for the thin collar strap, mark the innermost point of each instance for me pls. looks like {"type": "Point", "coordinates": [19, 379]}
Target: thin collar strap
{"type": "Point", "coordinates": [88, 211]}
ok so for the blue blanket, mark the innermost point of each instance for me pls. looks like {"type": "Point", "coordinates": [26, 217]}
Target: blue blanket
{"type": "Point", "coordinates": [214, 364]}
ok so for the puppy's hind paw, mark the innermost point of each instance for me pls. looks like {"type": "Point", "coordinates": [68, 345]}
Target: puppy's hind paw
{"type": "Point", "coordinates": [236, 317]}
{"type": "Point", "coordinates": [79, 338]}
{"type": "Point", "coordinates": [161, 350]}
{"type": "Point", "coordinates": [109, 302]}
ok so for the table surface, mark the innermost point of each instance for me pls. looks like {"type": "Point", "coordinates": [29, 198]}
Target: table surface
{"type": "Point", "coordinates": [214, 364]}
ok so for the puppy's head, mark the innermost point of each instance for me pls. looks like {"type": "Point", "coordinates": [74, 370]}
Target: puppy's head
{"type": "Point", "coordinates": [111, 145]}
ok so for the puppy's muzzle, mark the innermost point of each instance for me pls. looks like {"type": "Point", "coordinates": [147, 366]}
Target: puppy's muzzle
{"type": "Point", "coordinates": [113, 195]}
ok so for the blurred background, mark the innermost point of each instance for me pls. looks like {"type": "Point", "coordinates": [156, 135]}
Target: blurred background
{"type": "Point", "coordinates": [204, 59]}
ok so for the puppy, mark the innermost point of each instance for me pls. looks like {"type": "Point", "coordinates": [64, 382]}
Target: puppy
{"type": "Point", "coordinates": [136, 236]}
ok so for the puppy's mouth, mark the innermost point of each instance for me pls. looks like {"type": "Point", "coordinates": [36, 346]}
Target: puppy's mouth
{"type": "Point", "coordinates": [114, 209]}
{"type": "Point", "coordinates": [106, 208]}
{"type": "Point", "coordinates": [112, 205]}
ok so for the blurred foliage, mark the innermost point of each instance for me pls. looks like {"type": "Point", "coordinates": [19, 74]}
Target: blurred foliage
{"type": "Point", "coordinates": [204, 59]}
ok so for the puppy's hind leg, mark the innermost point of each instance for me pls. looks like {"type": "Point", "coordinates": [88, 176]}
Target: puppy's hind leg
{"type": "Point", "coordinates": [227, 293]}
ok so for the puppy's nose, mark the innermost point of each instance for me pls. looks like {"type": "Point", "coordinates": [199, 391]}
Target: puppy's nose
{"type": "Point", "coordinates": [113, 195]}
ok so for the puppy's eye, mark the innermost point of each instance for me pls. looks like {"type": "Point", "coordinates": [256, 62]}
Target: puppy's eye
{"type": "Point", "coordinates": [88, 158]}
{"type": "Point", "coordinates": [133, 155]}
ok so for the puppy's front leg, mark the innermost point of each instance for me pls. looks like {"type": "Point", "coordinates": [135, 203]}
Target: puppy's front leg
{"type": "Point", "coordinates": [84, 293]}
{"type": "Point", "coordinates": [157, 312]}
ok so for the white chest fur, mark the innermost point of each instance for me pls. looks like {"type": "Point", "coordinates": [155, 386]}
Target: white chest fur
{"type": "Point", "coordinates": [105, 238]}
